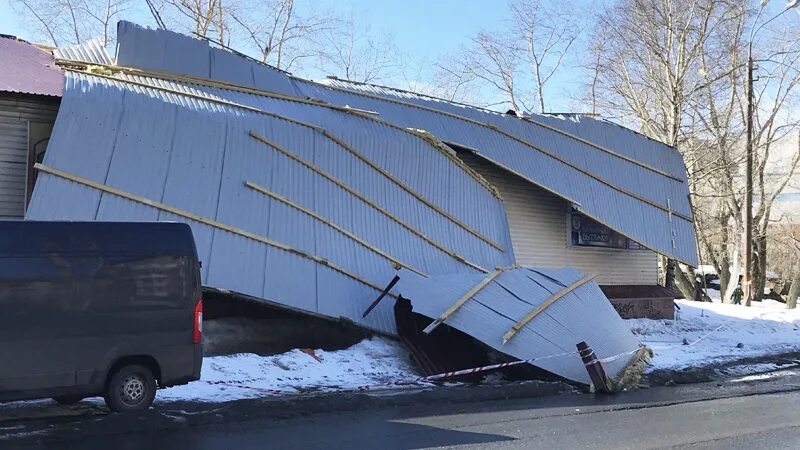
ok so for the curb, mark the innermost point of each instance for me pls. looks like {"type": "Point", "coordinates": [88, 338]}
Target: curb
{"type": "Point", "coordinates": [715, 372]}
{"type": "Point", "coordinates": [346, 401]}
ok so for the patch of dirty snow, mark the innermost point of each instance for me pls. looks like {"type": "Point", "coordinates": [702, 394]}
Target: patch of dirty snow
{"type": "Point", "coordinates": [763, 376]}
{"type": "Point", "coordinates": [372, 362]}
{"type": "Point", "coordinates": [749, 369]}
{"type": "Point", "coordinates": [718, 333]}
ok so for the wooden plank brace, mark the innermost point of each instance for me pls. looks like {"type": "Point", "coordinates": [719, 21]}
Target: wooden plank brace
{"type": "Point", "coordinates": [477, 288]}
{"type": "Point", "coordinates": [545, 304]}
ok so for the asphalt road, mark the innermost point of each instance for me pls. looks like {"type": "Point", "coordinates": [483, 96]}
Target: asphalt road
{"type": "Point", "coordinates": [700, 416]}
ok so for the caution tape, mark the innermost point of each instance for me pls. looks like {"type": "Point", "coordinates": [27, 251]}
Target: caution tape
{"type": "Point", "coordinates": [446, 375]}
{"type": "Point", "coordinates": [701, 338]}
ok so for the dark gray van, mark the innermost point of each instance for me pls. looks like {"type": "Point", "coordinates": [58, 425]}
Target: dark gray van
{"type": "Point", "coordinates": [98, 308]}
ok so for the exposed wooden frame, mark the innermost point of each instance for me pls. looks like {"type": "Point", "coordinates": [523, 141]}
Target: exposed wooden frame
{"type": "Point", "coordinates": [544, 305]}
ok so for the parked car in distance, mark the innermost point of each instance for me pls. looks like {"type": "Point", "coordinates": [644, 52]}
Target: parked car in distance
{"type": "Point", "coordinates": [98, 308]}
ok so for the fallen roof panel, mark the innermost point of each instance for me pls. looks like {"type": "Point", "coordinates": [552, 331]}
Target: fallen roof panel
{"type": "Point", "coordinates": [581, 314]}
{"type": "Point", "coordinates": [624, 180]}
{"type": "Point", "coordinates": [602, 134]}
{"type": "Point", "coordinates": [168, 51]}
{"type": "Point", "coordinates": [647, 206]}
{"type": "Point", "coordinates": [310, 215]}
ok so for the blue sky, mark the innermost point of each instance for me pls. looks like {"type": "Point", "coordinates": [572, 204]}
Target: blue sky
{"type": "Point", "coordinates": [423, 30]}
{"type": "Point", "coordinates": [422, 25]}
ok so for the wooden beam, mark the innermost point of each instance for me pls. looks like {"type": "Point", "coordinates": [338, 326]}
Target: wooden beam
{"type": "Point", "coordinates": [477, 288]}
{"type": "Point", "coordinates": [544, 305]}
{"type": "Point", "coordinates": [83, 67]}
{"type": "Point", "coordinates": [396, 262]}
{"type": "Point", "coordinates": [413, 193]}
{"type": "Point", "coordinates": [204, 220]}
{"type": "Point", "coordinates": [361, 197]}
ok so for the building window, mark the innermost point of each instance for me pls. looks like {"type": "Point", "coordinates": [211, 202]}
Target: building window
{"type": "Point", "coordinates": [585, 232]}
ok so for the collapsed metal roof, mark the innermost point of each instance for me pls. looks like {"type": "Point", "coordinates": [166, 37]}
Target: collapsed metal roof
{"type": "Point", "coordinates": [630, 183]}
{"type": "Point", "coordinates": [528, 313]}
{"type": "Point", "coordinates": [314, 214]}
{"type": "Point", "coordinates": [313, 196]}
{"type": "Point", "coordinates": [645, 199]}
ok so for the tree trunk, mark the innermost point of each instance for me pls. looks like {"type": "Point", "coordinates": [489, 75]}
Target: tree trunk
{"type": "Point", "coordinates": [669, 273]}
{"type": "Point", "coordinates": [794, 291]}
{"type": "Point", "coordinates": [733, 278]}
{"type": "Point", "coordinates": [759, 275]}
{"type": "Point", "coordinates": [686, 284]}
{"type": "Point", "coordinates": [724, 273]}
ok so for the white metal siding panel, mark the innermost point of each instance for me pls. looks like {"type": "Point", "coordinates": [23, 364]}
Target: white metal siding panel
{"type": "Point", "coordinates": [538, 223]}
{"type": "Point", "coordinates": [15, 112]}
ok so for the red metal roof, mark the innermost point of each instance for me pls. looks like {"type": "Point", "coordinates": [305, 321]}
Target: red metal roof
{"type": "Point", "coordinates": [28, 69]}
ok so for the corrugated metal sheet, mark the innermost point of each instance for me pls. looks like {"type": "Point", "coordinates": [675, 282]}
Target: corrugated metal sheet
{"type": "Point", "coordinates": [168, 51]}
{"type": "Point", "coordinates": [651, 208]}
{"type": "Point", "coordinates": [155, 150]}
{"type": "Point", "coordinates": [584, 314]}
{"type": "Point", "coordinates": [91, 51]}
{"type": "Point", "coordinates": [628, 182]}
{"type": "Point", "coordinates": [599, 132]}
{"type": "Point", "coordinates": [28, 69]}
{"type": "Point", "coordinates": [538, 223]}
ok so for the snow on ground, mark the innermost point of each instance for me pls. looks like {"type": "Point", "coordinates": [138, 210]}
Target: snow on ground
{"type": "Point", "coordinates": [713, 331]}
{"type": "Point", "coordinates": [372, 362]}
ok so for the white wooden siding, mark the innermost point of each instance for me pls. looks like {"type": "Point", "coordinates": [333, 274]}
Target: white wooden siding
{"type": "Point", "coordinates": [15, 113]}
{"type": "Point", "coordinates": [538, 225]}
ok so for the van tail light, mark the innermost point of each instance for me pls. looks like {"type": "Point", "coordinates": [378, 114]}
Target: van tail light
{"type": "Point", "coordinates": [197, 333]}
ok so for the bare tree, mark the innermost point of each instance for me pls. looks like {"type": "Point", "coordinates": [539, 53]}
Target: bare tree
{"type": "Point", "coordinates": [648, 57]}
{"type": "Point", "coordinates": [492, 60]}
{"type": "Point", "coordinates": [103, 15]}
{"type": "Point", "coordinates": [676, 69]}
{"type": "Point", "coordinates": [206, 18]}
{"type": "Point", "coordinates": [281, 35]}
{"type": "Point", "coordinates": [61, 22]}
{"type": "Point", "coordinates": [784, 255]}
{"type": "Point", "coordinates": [351, 52]}
{"type": "Point", "coordinates": [547, 35]}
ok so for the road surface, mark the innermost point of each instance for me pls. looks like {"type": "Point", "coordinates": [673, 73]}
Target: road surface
{"type": "Point", "coordinates": [747, 416]}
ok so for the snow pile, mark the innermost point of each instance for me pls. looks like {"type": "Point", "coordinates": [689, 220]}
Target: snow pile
{"type": "Point", "coordinates": [371, 362]}
{"type": "Point", "coordinates": [714, 330]}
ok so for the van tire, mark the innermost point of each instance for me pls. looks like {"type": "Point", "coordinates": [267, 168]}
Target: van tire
{"type": "Point", "coordinates": [131, 388]}
{"type": "Point", "coordinates": [68, 399]}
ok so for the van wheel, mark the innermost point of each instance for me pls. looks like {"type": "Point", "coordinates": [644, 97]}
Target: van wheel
{"type": "Point", "coordinates": [68, 399]}
{"type": "Point", "coordinates": [132, 388]}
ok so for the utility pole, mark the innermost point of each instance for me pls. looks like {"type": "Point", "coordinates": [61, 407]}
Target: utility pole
{"type": "Point", "coordinates": [748, 186]}
{"type": "Point", "coordinates": [747, 279]}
